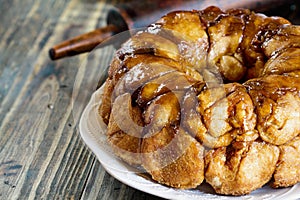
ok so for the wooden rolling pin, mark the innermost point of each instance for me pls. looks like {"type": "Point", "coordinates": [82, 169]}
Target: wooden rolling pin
{"type": "Point", "coordinates": [138, 14]}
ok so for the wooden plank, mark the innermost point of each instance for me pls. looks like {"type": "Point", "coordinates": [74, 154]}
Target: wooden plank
{"type": "Point", "coordinates": [19, 50]}
{"type": "Point", "coordinates": [42, 156]}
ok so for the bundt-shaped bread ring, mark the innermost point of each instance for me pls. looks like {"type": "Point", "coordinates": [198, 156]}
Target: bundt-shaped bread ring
{"type": "Point", "coordinates": [208, 95]}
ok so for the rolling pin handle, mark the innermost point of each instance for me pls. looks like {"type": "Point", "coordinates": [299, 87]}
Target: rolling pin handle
{"type": "Point", "coordinates": [82, 43]}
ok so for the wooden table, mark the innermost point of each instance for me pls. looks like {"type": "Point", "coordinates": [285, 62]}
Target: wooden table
{"type": "Point", "coordinates": [42, 155]}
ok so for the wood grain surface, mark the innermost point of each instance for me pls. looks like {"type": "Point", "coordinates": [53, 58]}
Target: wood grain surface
{"type": "Point", "coordinates": [42, 155]}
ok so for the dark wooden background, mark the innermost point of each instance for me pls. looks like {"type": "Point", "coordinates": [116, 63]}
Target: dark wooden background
{"type": "Point", "coordinates": [42, 155]}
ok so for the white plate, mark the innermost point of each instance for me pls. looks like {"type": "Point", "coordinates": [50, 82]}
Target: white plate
{"type": "Point", "coordinates": [92, 130]}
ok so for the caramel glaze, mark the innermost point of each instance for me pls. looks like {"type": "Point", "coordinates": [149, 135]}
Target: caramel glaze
{"type": "Point", "coordinates": [212, 95]}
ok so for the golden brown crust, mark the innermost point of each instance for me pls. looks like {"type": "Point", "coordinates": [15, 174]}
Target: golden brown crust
{"type": "Point", "coordinates": [287, 172]}
{"type": "Point", "coordinates": [174, 158]}
{"type": "Point", "coordinates": [224, 43]}
{"type": "Point", "coordinates": [124, 138]}
{"type": "Point", "coordinates": [241, 167]}
{"type": "Point", "coordinates": [277, 102]}
{"type": "Point", "coordinates": [283, 62]}
{"type": "Point", "coordinates": [105, 109]}
{"type": "Point", "coordinates": [256, 31]}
